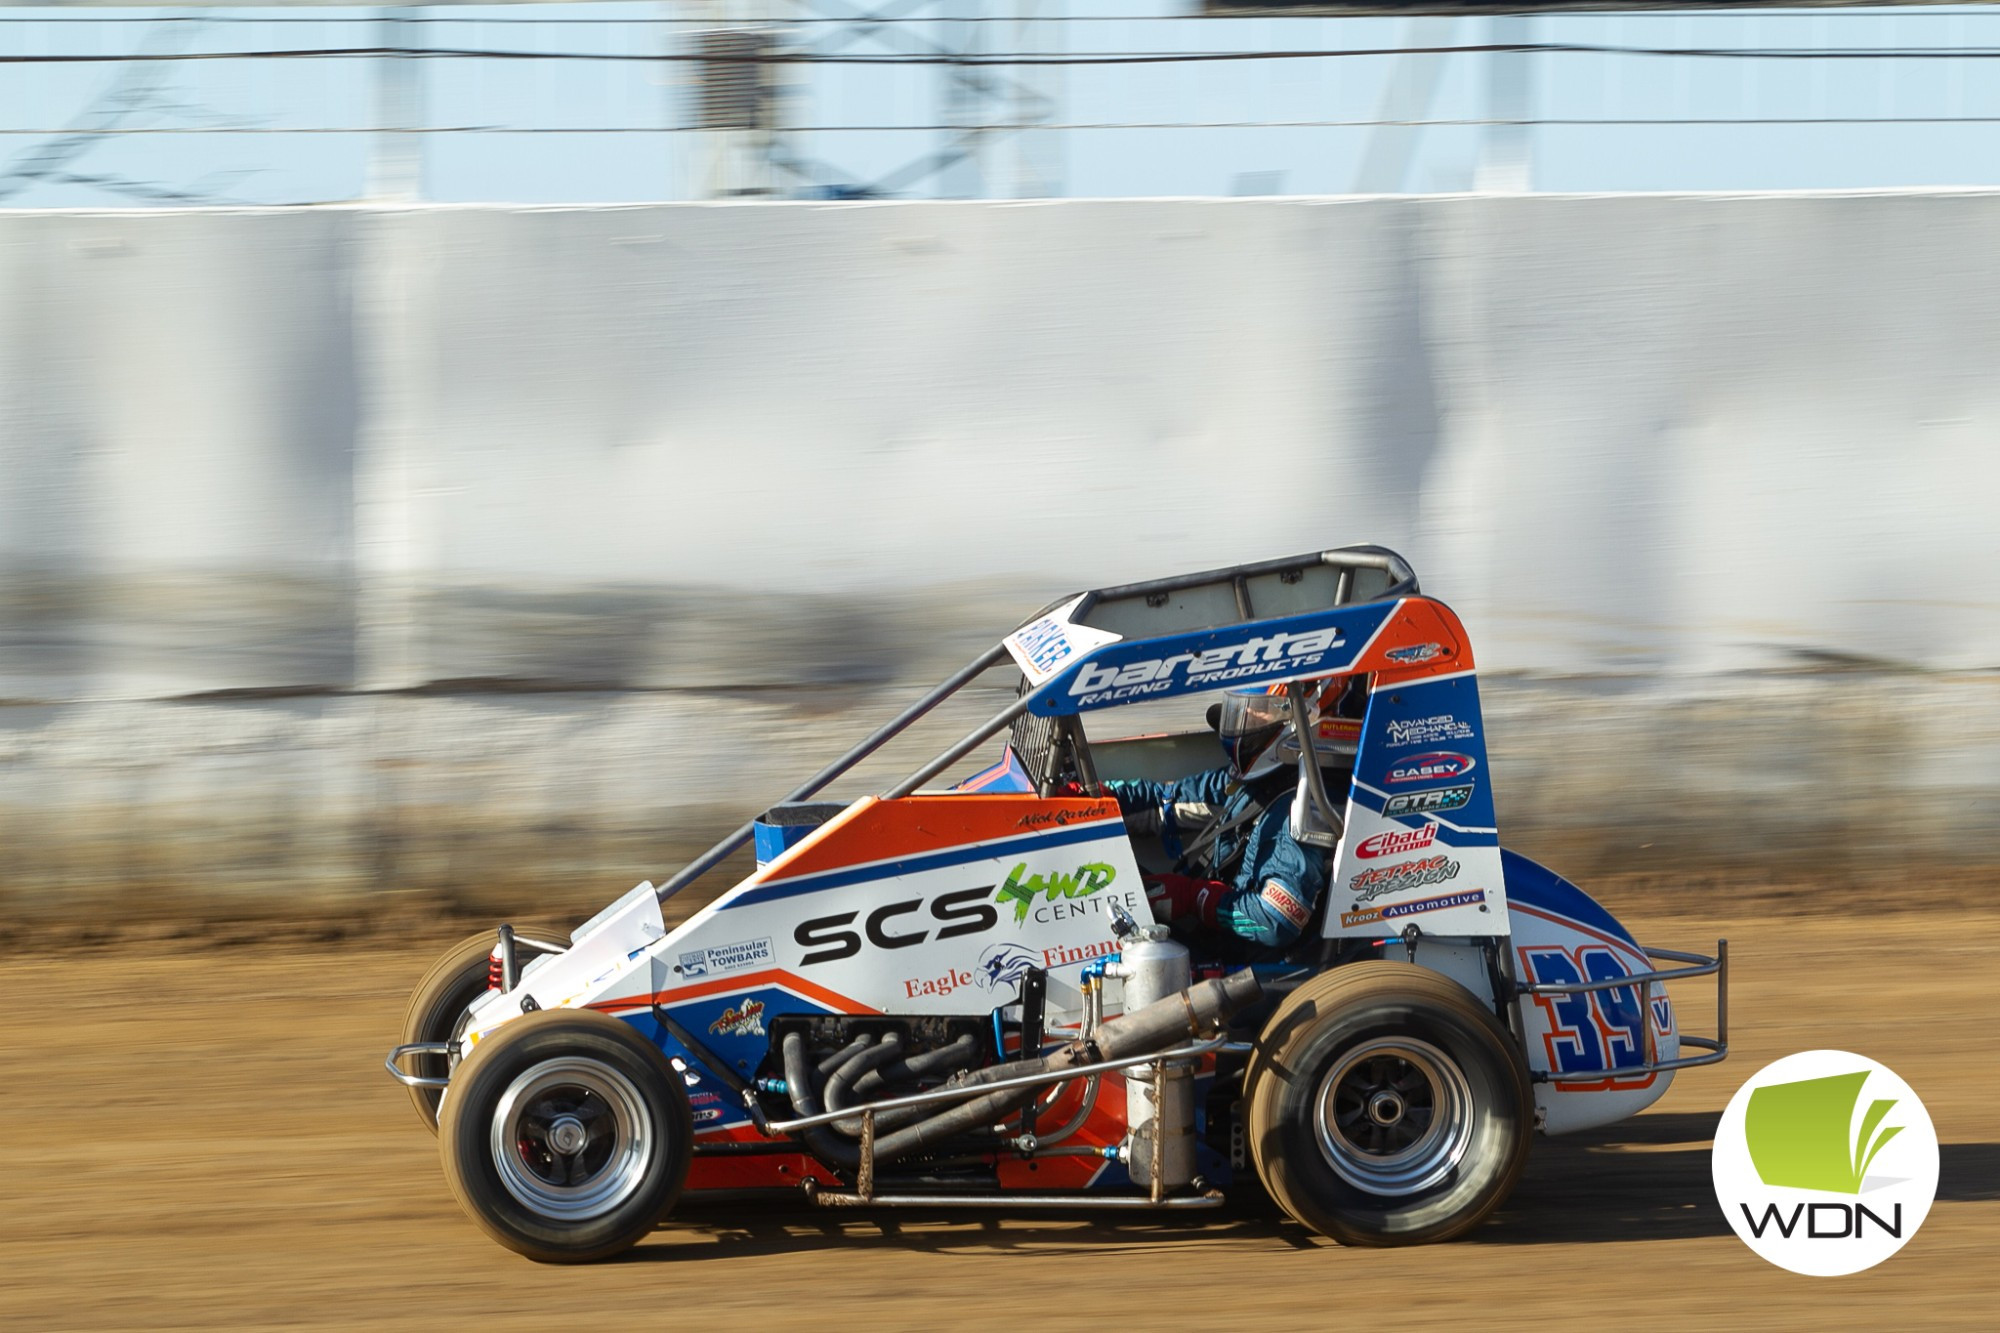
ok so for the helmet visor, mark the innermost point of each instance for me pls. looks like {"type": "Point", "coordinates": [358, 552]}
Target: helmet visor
{"type": "Point", "coordinates": [1249, 725]}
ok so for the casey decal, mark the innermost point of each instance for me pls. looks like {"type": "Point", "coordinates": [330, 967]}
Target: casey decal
{"type": "Point", "coordinates": [1430, 766]}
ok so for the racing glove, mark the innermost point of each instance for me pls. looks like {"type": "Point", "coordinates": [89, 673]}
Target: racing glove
{"type": "Point", "coordinates": [1183, 897]}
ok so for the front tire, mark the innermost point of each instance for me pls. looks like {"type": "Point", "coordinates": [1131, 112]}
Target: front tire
{"type": "Point", "coordinates": [436, 1011]}
{"type": "Point", "coordinates": [1387, 1106]}
{"type": "Point", "coordinates": [566, 1136]}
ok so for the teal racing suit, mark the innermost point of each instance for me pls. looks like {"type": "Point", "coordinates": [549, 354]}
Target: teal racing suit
{"type": "Point", "coordinates": [1273, 882]}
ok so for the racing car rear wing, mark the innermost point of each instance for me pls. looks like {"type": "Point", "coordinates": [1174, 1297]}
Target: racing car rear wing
{"type": "Point", "coordinates": [1211, 599]}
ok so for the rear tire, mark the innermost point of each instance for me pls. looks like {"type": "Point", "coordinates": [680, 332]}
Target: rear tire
{"type": "Point", "coordinates": [567, 1136]}
{"type": "Point", "coordinates": [1387, 1106]}
{"type": "Point", "coordinates": [437, 1006]}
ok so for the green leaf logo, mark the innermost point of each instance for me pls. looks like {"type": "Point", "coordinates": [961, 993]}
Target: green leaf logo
{"type": "Point", "coordinates": [1797, 1133]}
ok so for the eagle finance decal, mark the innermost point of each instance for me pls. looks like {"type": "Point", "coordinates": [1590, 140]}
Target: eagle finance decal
{"type": "Point", "coordinates": [1825, 1163]}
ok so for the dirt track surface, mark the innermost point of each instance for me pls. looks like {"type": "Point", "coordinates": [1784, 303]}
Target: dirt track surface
{"type": "Point", "coordinates": [207, 1140]}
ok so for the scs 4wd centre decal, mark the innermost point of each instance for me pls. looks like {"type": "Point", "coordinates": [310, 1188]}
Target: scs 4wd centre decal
{"type": "Point", "coordinates": [1021, 889]}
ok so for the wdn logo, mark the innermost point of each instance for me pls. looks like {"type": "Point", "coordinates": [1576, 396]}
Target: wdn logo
{"type": "Point", "coordinates": [1820, 1124]}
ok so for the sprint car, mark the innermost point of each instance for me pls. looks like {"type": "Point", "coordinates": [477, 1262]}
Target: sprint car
{"type": "Point", "coordinates": [956, 996]}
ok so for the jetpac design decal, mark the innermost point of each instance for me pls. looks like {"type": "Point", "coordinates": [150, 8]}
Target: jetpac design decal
{"type": "Point", "coordinates": [1021, 888]}
{"type": "Point", "coordinates": [1825, 1163]}
{"type": "Point", "coordinates": [1381, 881]}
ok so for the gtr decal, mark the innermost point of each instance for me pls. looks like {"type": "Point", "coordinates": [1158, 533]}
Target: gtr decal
{"type": "Point", "coordinates": [1595, 1030]}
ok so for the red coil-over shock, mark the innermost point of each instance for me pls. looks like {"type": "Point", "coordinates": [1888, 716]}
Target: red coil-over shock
{"type": "Point", "coordinates": [496, 974]}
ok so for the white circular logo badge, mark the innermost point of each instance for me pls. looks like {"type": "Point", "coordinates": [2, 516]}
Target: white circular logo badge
{"type": "Point", "coordinates": [1825, 1163]}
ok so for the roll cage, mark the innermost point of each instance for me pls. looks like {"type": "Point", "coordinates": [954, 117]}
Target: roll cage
{"type": "Point", "coordinates": [1154, 635]}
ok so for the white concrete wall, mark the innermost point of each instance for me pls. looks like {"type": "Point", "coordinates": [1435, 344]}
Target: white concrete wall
{"type": "Point", "coordinates": [286, 461]}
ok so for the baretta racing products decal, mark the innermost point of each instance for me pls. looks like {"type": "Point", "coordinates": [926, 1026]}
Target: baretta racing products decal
{"type": "Point", "coordinates": [1431, 766]}
{"type": "Point", "coordinates": [1271, 655]}
{"type": "Point", "coordinates": [1381, 881]}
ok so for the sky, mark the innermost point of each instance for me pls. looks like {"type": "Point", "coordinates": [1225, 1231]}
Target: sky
{"type": "Point", "coordinates": [213, 126]}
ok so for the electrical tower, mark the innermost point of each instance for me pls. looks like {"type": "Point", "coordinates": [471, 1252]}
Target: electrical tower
{"type": "Point", "coordinates": [753, 88]}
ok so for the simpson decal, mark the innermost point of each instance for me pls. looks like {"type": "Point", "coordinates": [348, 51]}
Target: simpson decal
{"type": "Point", "coordinates": [1284, 903]}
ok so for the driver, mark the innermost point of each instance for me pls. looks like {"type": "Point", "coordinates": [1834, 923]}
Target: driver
{"type": "Point", "coordinates": [1238, 869]}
